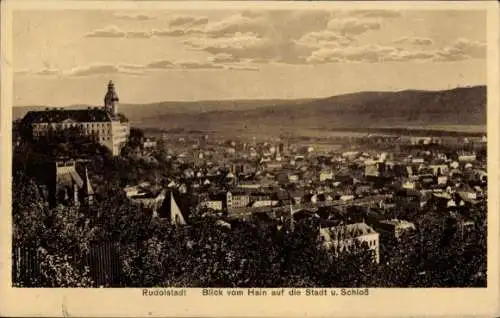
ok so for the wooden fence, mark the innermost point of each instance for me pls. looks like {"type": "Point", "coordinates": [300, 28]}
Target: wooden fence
{"type": "Point", "coordinates": [103, 260]}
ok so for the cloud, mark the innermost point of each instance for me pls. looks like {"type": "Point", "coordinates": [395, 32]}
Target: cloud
{"type": "Point", "coordinates": [115, 32]}
{"type": "Point", "coordinates": [46, 71]}
{"type": "Point", "coordinates": [221, 58]}
{"type": "Point", "coordinates": [353, 26]}
{"type": "Point", "coordinates": [461, 49]}
{"type": "Point", "coordinates": [97, 69]}
{"type": "Point", "coordinates": [177, 32]}
{"type": "Point", "coordinates": [324, 38]}
{"type": "Point", "coordinates": [474, 49]}
{"type": "Point", "coordinates": [161, 64]}
{"type": "Point", "coordinates": [111, 31]}
{"type": "Point", "coordinates": [260, 36]}
{"type": "Point", "coordinates": [366, 53]}
{"type": "Point", "coordinates": [241, 67]}
{"type": "Point", "coordinates": [89, 70]}
{"type": "Point", "coordinates": [369, 54]}
{"type": "Point", "coordinates": [399, 55]}
{"type": "Point", "coordinates": [133, 16]}
{"type": "Point", "coordinates": [237, 23]}
{"type": "Point", "coordinates": [293, 37]}
{"type": "Point", "coordinates": [240, 46]}
{"type": "Point", "coordinates": [211, 65]}
{"type": "Point", "coordinates": [417, 41]}
{"type": "Point", "coordinates": [139, 35]}
{"type": "Point", "coordinates": [186, 20]}
{"type": "Point", "coordinates": [219, 61]}
{"type": "Point", "coordinates": [264, 35]}
{"type": "Point", "coordinates": [180, 26]}
{"type": "Point", "coordinates": [239, 41]}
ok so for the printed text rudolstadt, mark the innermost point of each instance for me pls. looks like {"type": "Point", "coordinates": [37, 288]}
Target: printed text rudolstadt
{"type": "Point", "coordinates": [164, 292]}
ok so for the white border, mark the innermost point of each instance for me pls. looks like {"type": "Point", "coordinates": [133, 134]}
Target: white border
{"type": "Point", "coordinates": [129, 302]}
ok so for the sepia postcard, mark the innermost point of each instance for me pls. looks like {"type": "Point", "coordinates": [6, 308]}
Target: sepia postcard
{"type": "Point", "coordinates": [227, 159]}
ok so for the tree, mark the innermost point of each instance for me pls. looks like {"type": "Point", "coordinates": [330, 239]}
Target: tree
{"type": "Point", "coordinates": [58, 271]}
{"type": "Point", "coordinates": [56, 241]}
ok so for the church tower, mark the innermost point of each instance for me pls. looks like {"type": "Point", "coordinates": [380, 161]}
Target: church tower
{"type": "Point", "coordinates": [87, 190]}
{"type": "Point", "coordinates": [111, 99]}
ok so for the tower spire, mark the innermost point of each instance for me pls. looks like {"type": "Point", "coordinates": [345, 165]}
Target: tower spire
{"type": "Point", "coordinates": [88, 191]}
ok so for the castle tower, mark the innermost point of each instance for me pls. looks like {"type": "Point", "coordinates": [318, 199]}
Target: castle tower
{"type": "Point", "coordinates": [111, 99]}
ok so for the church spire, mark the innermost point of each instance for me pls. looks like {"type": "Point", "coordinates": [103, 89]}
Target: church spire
{"type": "Point", "coordinates": [111, 99]}
{"type": "Point", "coordinates": [88, 192]}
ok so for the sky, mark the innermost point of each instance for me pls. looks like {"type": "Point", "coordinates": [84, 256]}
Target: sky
{"type": "Point", "coordinates": [67, 57]}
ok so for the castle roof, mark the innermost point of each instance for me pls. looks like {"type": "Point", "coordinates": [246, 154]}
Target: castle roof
{"type": "Point", "coordinates": [61, 115]}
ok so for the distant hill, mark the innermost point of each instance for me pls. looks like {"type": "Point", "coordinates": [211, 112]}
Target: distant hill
{"type": "Point", "coordinates": [459, 108]}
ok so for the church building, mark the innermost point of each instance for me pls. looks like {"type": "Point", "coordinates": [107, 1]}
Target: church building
{"type": "Point", "coordinates": [109, 128]}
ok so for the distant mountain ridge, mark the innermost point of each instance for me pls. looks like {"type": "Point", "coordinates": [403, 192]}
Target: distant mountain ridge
{"type": "Point", "coordinates": [455, 107]}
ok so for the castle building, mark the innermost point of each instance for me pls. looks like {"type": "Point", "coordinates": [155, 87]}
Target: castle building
{"type": "Point", "coordinates": [344, 238]}
{"type": "Point", "coordinates": [105, 124]}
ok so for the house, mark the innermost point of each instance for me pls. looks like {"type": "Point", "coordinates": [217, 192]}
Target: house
{"type": "Point", "coordinates": [362, 189]}
{"type": "Point", "coordinates": [387, 204]}
{"type": "Point", "coordinates": [394, 229]}
{"type": "Point", "coordinates": [171, 212]}
{"type": "Point", "coordinates": [466, 157]}
{"type": "Point", "coordinates": [325, 175]}
{"type": "Point", "coordinates": [465, 227]}
{"type": "Point", "coordinates": [408, 184]}
{"type": "Point", "coordinates": [372, 170]}
{"type": "Point", "coordinates": [105, 125]}
{"type": "Point", "coordinates": [343, 238]}
{"type": "Point", "coordinates": [420, 140]}
{"type": "Point", "coordinates": [217, 201]}
{"type": "Point", "coordinates": [427, 180]}
{"type": "Point", "coordinates": [264, 203]}
{"type": "Point", "coordinates": [252, 185]}
{"type": "Point", "coordinates": [293, 178]}
{"type": "Point", "coordinates": [350, 154]}
{"type": "Point", "coordinates": [417, 160]}
{"type": "Point", "coordinates": [215, 205]}
{"type": "Point", "coordinates": [442, 180]}
{"type": "Point", "coordinates": [273, 165]}
{"type": "Point", "coordinates": [149, 145]}
{"type": "Point", "coordinates": [466, 192]}
{"type": "Point", "coordinates": [64, 184]}
{"type": "Point", "coordinates": [439, 169]}
{"type": "Point", "coordinates": [147, 200]}
{"type": "Point", "coordinates": [407, 200]}
{"type": "Point", "coordinates": [237, 199]}
{"type": "Point", "coordinates": [439, 200]}
{"type": "Point", "coordinates": [296, 196]}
